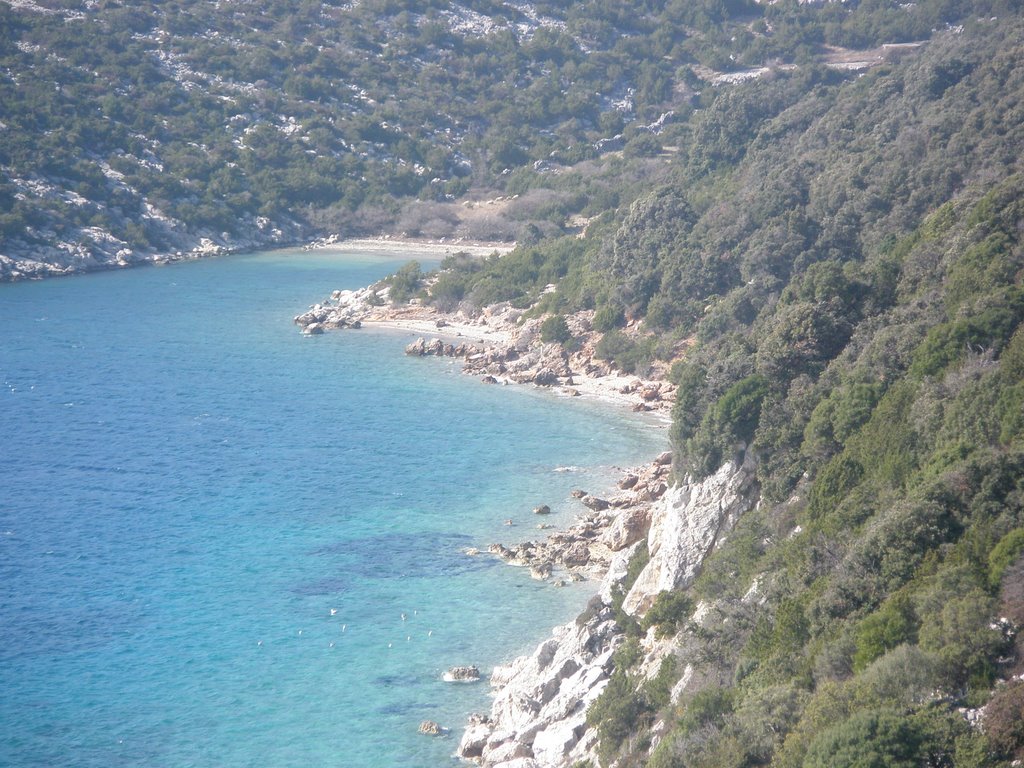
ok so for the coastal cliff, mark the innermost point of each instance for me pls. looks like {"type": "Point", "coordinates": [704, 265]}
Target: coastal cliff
{"type": "Point", "coordinates": [539, 715]}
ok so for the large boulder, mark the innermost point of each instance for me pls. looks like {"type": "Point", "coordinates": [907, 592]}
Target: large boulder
{"type": "Point", "coordinates": [628, 528]}
{"type": "Point", "coordinates": [468, 674]}
{"type": "Point", "coordinates": [545, 377]}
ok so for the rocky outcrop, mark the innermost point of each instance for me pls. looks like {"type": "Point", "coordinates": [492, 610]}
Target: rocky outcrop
{"type": "Point", "coordinates": [506, 348]}
{"type": "Point", "coordinates": [437, 348]}
{"type": "Point", "coordinates": [349, 310]}
{"type": "Point", "coordinates": [628, 528]}
{"type": "Point", "coordinates": [586, 548]}
{"type": "Point", "coordinates": [91, 248]}
{"type": "Point", "coordinates": [538, 717]}
{"type": "Point", "coordinates": [469, 674]}
{"type": "Point", "coordinates": [430, 728]}
{"type": "Point", "coordinates": [690, 520]}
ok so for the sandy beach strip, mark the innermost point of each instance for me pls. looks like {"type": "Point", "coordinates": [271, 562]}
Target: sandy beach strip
{"type": "Point", "coordinates": [412, 247]}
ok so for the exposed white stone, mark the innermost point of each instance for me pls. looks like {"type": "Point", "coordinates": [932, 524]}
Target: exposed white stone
{"type": "Point", "coordinates": [617, 569]}
{"type": "Point", "coordinates": [553, 744]}
{"type": "Point", "coordinates": [681, 685]}
{"type": "Point", "coordinates": [686, 525]}
{"type": "Point", "coordinates": [545, 693]}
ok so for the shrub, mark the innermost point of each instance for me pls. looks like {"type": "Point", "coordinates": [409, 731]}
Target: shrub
{"type": "Point", "coordinates": [891, 625]}
{"type": "Point", "coordinates": [626, 353]}
{"type": "Point", "coordinates": [732, 419]}
{"type": "Point", "coordinates": [555, 329]}
{"type": "Point", "coordinates": [738, 411]}
{"type": "Point", "coordinates": [669, 611]}
{"type": "Point", "coordinates": [708, 706]}
{"type": "Point", "coordinates": [449, 290]}
{"type": "Point", "coordinates": [657, 691]}
{"type": "Point", "coordinates": [871, 739]}
{"type": "Point", "coordinates": [615, 714]}
{"type": "Point", "coordinates": [405, 282]}
{"type": "Point", "coordinates": [839, 477]}
{"type": "Point", "coordinates": [1003, 555]}
{"type": "Point", "coordinates": [839, 415]}
{"type": "Point", "coordinates": [608, 317]}
{"type": "Point", "coordinates": [992, 327]}
{"type": "Point", "coordinates": [905, 676]}
{"type": "Point", "coordinates": [961, 635]}
{"type": "Point", "coordinates": [781, 638]}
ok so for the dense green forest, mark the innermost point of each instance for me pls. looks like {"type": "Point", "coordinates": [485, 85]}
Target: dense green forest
{"type": "Point", "coordinates": [834, 269]}
{"type": "Point", "coordinates": [828, 262]}
{"type": "Point", "coordinates": [137, 129]}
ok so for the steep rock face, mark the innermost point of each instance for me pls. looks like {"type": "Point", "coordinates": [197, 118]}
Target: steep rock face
{"type": "Point", "coordinates": [538, 717]}
{"type": "Point", "coordinates": [687, 524]}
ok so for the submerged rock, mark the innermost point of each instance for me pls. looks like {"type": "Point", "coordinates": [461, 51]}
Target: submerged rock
{"type": "Point", "coordinates": [468, 674]}
{"type": "Point", "coordinates": [430, 728]}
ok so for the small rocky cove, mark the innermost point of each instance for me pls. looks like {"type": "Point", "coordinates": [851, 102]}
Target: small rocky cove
{"type": "Point", "coordinates": [538, 718]}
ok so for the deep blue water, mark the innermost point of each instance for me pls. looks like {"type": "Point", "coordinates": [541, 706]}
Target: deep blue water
{"type": "Point", "coordinates": [189, 488]}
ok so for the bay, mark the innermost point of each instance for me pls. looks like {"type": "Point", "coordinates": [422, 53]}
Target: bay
{"type": "Point", "coordinates": [223, 543]}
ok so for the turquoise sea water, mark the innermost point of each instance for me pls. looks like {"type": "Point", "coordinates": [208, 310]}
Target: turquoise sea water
{"type": "Point", "coordinates": [211, 527]}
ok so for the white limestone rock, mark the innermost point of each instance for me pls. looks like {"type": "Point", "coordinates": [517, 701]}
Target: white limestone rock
{"type": "Point", "coordinates": [629, 527]}
{"type": "Point", "coordinates": [554, 743]}
{"type": "Point", "coordinates": [546, 693]}
{"type": "Point", "coordinates": [686, 524]}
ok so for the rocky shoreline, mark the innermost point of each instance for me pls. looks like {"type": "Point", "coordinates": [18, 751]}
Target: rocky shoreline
{"type": "Point", "coordinates": [497, 344]}
{"type": "Point", "coordinates": [585, 549]}
{"type": "Point", "coordinates": [538, 718]}
{"type": "Point", "coordinates": [538, 715]}
{"type": "Point", "coordinates": [97, 250]}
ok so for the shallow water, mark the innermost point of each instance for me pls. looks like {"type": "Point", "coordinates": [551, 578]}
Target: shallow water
{"type": "Point", "coordinates": [211, 527]}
